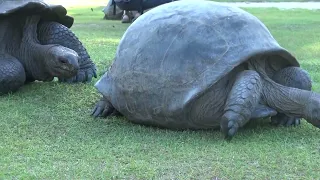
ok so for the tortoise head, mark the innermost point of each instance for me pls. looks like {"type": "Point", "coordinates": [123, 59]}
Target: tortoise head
{"type": "Point", "coordinates": [62, 62]}
{"type": "Point", "coordinates": [313, 109]}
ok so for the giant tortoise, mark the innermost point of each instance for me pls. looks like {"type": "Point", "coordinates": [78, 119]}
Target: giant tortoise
{"type": "Point", "coordinates": [37, 44]}
{"type": "Point", "coordinates": [201, 65]}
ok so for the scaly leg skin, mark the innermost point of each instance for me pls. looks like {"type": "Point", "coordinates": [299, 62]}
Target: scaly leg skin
{"type": "Point", "coordinates": [242, 100]}
{"type": "Point", "coordinates": [55, 33]}
{"type": "Point", "coordinates": [12, 74]}
{"type": "Point", "coordinates": [104, 108]}
{"type": "Point", "coordinates": [291, 77]}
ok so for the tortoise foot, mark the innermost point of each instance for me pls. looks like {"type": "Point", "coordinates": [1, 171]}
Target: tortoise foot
{"type": "Point", "coordinates": [104, 108]}
{"type": "Point", "coordinates": [284, 120]}
{"type": "Point", "coordinates": [136, 16]}
{"type": "Point", "coordinates": [85, 75]}
{"type": "Point", "coordinates": [125, 19]}
{"type": "Point", "coordinates": [229, 127]}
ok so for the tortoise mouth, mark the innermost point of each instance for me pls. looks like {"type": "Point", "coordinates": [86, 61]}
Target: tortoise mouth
{"type": "Point", "coordinates": [64, 71]}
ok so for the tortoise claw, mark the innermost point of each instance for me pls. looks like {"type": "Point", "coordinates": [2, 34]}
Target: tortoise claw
{"type": "Point", "coordinates": [284, 120]}
{"type": "Point", "coordinates": [82, 76]}
{"type": "Point", "coordinates": [102, 109]}
{"type": "Point", "coordinates": [229, 128]}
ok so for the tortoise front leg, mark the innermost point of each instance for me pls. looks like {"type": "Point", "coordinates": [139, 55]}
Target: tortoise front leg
{"type": "Point", "coordinates": [104, 108]}
{"type": "Point", "coordinates": [12, 74]}
{"type": "Point", "coordinates": [241, 102]}
{"type": "Point", "coordinates": [291, 77]}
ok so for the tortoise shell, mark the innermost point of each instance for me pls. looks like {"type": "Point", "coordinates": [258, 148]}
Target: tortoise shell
{"type": "Point", "coordinates": [31, 7]}
{"type": "Point", "coordinates": [176, 52]}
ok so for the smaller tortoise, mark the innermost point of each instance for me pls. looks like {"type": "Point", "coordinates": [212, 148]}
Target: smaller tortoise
{"type": "Point", "coordinates": [218, 67]}
{"type": "Point", "coordinates": [37, 44]}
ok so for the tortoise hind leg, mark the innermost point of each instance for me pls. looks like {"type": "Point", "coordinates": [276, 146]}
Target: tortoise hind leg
{"type": "Point", "coordinates": [241, 102]}
{"type": "Point", "coordinates": [291, 77]}
{"type": "Point", "coordinates": [12, 74]}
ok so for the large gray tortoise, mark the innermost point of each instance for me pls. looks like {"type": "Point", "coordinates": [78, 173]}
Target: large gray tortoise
{"type": "Point", "coordinates": [216, 67]}
{"type": "Point", "coordinates": [37, 44]}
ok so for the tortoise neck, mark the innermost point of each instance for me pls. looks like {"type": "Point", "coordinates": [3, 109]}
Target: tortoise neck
{"type": "Point", "coordinates": [292, 101]}
{"type": "Point", "coordinates": [285, 99]}
{"type": "Point", "coordinates": [288, 100]}
{"type": "Point", "coordinates": [36, 64]}
{"type": "Point", "coordinates": [35, 52]}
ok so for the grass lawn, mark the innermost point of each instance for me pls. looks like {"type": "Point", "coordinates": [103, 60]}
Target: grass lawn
{"type": "Point", "coordinates": [47, 132]}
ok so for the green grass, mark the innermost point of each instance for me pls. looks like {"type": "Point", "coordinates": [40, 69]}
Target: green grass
{"type": "Point", "coordinates": [47, 132]}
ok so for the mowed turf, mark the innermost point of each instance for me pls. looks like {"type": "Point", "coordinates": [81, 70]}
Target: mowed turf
{"type": "Point", "coordinates": [47, 132]}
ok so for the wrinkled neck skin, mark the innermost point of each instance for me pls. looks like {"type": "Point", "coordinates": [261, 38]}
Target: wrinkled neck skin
{"type": "Point", "coordinates": [37, 66]}
{"type": "Point", "coordinates": [291, 101]}
{"type": "Point", "coordinates": [287, 100]}
{"type": "Point", "coordinates": [26, 47]}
